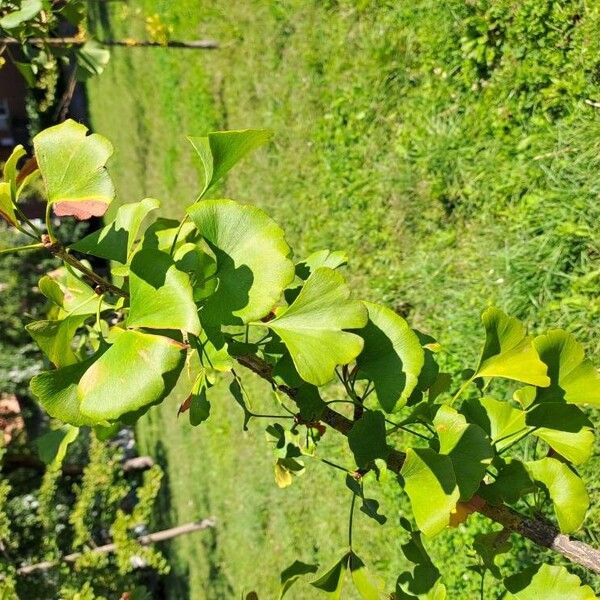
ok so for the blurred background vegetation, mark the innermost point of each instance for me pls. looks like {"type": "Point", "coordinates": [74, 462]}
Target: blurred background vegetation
{"type": "Point", "coordinates": [451, 148]}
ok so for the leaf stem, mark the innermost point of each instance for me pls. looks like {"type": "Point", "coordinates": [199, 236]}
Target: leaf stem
{"type": "Point", "coordinates": [461, 389]}
{"type": "Point", "coordinates": [183, 222]}
{"type": "Point", "coordinates": [351, 519]}
{"type": "Point", "coordinates": [21, 248]}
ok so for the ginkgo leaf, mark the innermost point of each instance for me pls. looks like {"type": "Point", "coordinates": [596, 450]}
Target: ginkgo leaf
{"type": "Point", "coordinates": [115, 241]}
{"type": "Point", "coordinates": [253, 264]}
{"type": "Point", "coordinates": [332, 581]}
{"type": "Point", "coordinates": [91, 58]}
{"type": "Point", "coordinates": [291, 574]}
{"type": "Point", "coordinates": [70, 294]}
{"type": "Point", "coordinates": [365, 585]}
{"type": "Point", "coordinates": [392, 357]}
{"type": "Point", "coordinates": [508, 352]}
{"type": "Point", "coordinates": [161, 295]}
{"type": "Point", "coordinates": [219, 151]}
{"type": "Point", "coordinates": [312, 328]}
{"type": "Point", "coordinates": [321, 258]}
{"type": "Point", "coordinates": [567, 491]}
{"type": "Point", "coordinates": [136, 371]}
{"type": "Point", "coordinates": [547, 582]}
{"type": "Point", "coordinates": [430, 484]}
{"type": "Point", "coordinates": [73, 168]}
{"type": "Point", "coordinates": [468, 447]}
{"type": "Point", "coordinates": [57, 392]}
{"type": "Point", "coordinates": [52, 446]}
{"type": "Point", "coordinates": [7, 209]}
{"type": "Point", "coordinates": [576, 447]}
{"type": "Point", "coordinates": [28, 10]}
{"type": "Point", "coordinates": [10, 168]}
{"type": "Point", "coordinates": [55, 338]}
{"type": "Point", "coordinates": [574, 378]}
{"type": "Point", "coordinates": [367, 438]}
{"type": "Point", "coordinates": [503, 423]}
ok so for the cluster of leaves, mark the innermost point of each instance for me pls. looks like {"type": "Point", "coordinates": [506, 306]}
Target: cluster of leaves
{"type": "Point", "coordinates": [46, 520]}
{"type": "Point", "coordinates": [33, 23]}
{"type": "Point", "coordinates": [191, 300]}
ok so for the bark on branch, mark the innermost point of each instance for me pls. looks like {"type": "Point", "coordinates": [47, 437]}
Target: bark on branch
{"type": "Point", "coordinates": [145, 540]}
{"type": "Point", "coordinates": [539, 531]}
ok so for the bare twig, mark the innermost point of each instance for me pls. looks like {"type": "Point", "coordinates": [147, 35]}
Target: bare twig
{"type": "Point", "coordinates": [145, 540]}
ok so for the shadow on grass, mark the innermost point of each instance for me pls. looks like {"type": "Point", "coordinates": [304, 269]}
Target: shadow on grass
{"type": "Point", "coordinates": [176, 583]}
{"type": "Point", "coordinates": [99, 19]}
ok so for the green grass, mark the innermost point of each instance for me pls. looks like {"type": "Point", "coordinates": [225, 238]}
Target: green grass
{"type": "Point", "coordinates": [453, 180]}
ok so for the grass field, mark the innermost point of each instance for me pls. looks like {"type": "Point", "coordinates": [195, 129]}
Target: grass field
{"type": "Point", "coordinates": [447, 193]}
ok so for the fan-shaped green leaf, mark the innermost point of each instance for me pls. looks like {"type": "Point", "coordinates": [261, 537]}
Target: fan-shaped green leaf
{"type": "Point", "coordinates": [431, 486]}
{"type": "Point", "coordinates": [160, 294]}
{"type": "Point", "coordinates": [7, 209]}
{"type": "Point", "coordinates": [253, 265]}
{"type": "Point", "coordinates": [70, 294]}
{"type": "Point", "coordinates": [503, 423]}
{"type": "Point", "coordinates": [116, 240]}
{"type": "Point", "coordinates": [312, 328]}
{"type": "Point", "coordinates": [576, 447]}
{"type": "Point", "coordinates": [28, 10]}
{"type": "Point", "coordinates": [508, 352]}
{"type": "Point", "coordinates": [566, 490]}
{"type": "Point", "coordinates": [291, 574]}
{"type": "Point", "coordinates": [367, 438]}
{"type": "Point", "coordinates": [72, 165]}
{"type": "Point", "coordinates": [136, 371]}
{"type": "Point", "coordinates": [367, 588]}
{"type": "Point", "coordinates": [573, 377]}
{"type": "Point", "coordinates": [219, 151]}
{"type": "Point", "coordinates": [57, 392]}
{"type": "Point", "coordinates": [547, 582]}
{"type": "Point", "coordinates": [55, 338]}
{"type": "Point", "coordinates": [332, 581]}
{"type": "Point", "coordinates": [468, 447]}
{"type": "Point", "coordinates": [91, 59]}
{"type": "Point", "coordinates": [52, 446]}
{"type": "Point", "coordinates": [10, 168]}
{"type": "Point", "coordinates": [392, 357]}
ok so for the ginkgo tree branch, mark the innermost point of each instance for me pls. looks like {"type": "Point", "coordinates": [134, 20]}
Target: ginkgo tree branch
{"type": "Point", "coordinates": [539, 531]}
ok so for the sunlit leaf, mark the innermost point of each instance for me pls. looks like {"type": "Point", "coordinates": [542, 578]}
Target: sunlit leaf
{"type": "Point", "coordinates": [116, 240]}
{"type": "Point", "coordinates": [55, 338]}
{"type": "Point", "coordinates": [91, 59]}
{"type": "Point", "coordinates": [253, 265]}
{"type": "Point", "coordinates": [52, 446]}
{"type": "Point", "coordinates": [291, 574]}
{"type": "Point", "coordinates": [367, 588]}
{"type": "Point", "coordinates": [548, 583]}
{"type": "Point", "coordinates": [138, 370]}
{"type": "Point", "coordinates": [7, 210]}
{"type": "Point", "coordinates": [392, 357]}
{"type": "Point", "coordinates": [219, 151]}
{"type": "Point", "coordinates": [160, 294]}
{"type": "Point", "coordinates": [431, 486]}
{"type": "Point", "coordinates": [508, 352]}
{"type": "Point", "coordinates": [332, 581]}
{"type": "Point", "coordinates": [72, 165]}
{"type": "Point", "coordinates": [503, 423]}
{"type": "Point", "coordinates": [468, 447]}
{"type": "Point", "coordinates": [28, 10]}
{"type": "Point", "coordinates": [321, 258]}
{"type": "Point", "coordinates": [574, 378]}
{"type": "Point", "coordinates": [567, 491]}
{"type": "Point", "coordinates": [57, 391]}
{"type": "Point", "coordinates": [312, 328]}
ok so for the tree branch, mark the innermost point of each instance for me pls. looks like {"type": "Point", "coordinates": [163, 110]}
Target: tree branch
{"type": "Point", "coordinates": [145, 540]}
{"type": "Point", "coordinates": [539, 531]}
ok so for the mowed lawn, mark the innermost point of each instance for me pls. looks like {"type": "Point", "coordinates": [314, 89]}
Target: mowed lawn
{"type": "Point", "coordinates": [431, 218]}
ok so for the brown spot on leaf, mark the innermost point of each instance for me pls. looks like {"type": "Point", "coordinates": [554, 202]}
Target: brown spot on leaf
{"type": "Point", "coordinates": [80, 209]}
{"type": "Point", "coordinates": [185, 405]}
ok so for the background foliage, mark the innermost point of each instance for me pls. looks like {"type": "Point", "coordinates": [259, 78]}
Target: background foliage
{"type": "Point", "coordinates": [428, 134]}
